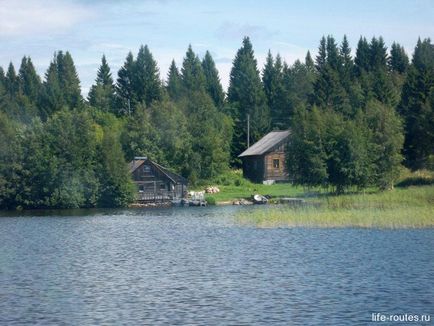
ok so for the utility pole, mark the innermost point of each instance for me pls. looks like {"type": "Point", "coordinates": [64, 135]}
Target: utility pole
{"type": "Point", "coordinates": [248, 130]}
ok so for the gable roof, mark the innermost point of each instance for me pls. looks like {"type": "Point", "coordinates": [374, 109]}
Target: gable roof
{"type": "Point", "coordinates": [266, 143]}
{"type": "Point", "coordinates": [138, 161]}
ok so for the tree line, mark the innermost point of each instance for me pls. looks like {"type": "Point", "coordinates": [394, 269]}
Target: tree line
{"type": "Point", "coordinates": [353, 120]}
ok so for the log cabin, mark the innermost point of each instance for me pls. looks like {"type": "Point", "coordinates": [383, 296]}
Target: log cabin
{"type": "Point", "coordinates": [264, 161]}
{"type": "Point", "coordinates": [156, 183]}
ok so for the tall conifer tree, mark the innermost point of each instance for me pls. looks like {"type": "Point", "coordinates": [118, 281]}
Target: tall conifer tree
{"type": "Point", "coordinates": [213, 84]}
{"type": "Point", "coordinates": [30, 82]}
{"type": "Point", "coordinates": [246, 97]}
{"type": "Point", "coordinates": [192, 75]}
{"type": "Point", "coordinates": [417, 107]}
{"type": "Point", "coordinates": [146, 81]}
{"type": "Point", "coordinates": [102, 94]}
{"type": "Point", "coordinates": [125, 96]}
{"type": "Point", "coordinates": [174, 82]}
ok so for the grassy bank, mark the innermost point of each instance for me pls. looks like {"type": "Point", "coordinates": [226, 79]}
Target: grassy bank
{"type": "Point", "coordinates": [411, 207]}
{"type": "Point", "coordinates": [233, 186]}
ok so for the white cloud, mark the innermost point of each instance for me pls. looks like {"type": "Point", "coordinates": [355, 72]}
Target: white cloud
{"type": "Point", "coordinates": [33, 17]}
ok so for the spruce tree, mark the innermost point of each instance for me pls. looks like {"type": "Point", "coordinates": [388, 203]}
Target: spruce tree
{"type": "Point", "coordinates": [246, 97]}
{"type": "Point", "coordinates": [68, 80]}
{"type": "Point", "coordinates": [51, 99]}
{"type": "Point", "coordinates": [30, 82]}
{"type": "Point", "coordinates": [362, 60]}
{"type": "Point", "coordinates": [125, 96]}
{"type": "Point", "coordinates": [347, 66]}
{"type": "Point", "coordinates": [146, 78]}
{"type": "Point", "coordinates": [102, 94]}
{"type": "Point", "coordinates": [272, 79]}
{"type": "Point", "coordinates": [212, 79]}
{"type": "Point", "coordinates": [378, 54]}
{"type": "Point", "coordinates": [192, 75]}
{"type": "Point", "coordinates": [398, 60]}
{"type": "Point", "coordinates": [416, 107]}
{"type": "Point", "coordinates": [12, 82]}
{"type": "Point", "coordinates": [174, 82]}
{"type": "Point", "coordinates": [328, 89]}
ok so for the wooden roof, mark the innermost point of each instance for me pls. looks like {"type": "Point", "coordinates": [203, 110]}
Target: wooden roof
{"type": "Point", "coordinates": [266, 143]}
{"type": "Point", "coordinates": [137, 162]}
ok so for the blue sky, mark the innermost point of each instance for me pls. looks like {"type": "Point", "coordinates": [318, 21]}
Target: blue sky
{"type": "Point", "coordinates": [90, 28]}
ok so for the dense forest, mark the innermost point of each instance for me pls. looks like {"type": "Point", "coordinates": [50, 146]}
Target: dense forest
{"type": "Point", "coordinates": [354, 120]}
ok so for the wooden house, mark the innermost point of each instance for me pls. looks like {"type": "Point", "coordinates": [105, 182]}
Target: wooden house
{"type": "Point", "coordinates": [155, 182]}
{"type": "Point", "coordinates": [264, 161]}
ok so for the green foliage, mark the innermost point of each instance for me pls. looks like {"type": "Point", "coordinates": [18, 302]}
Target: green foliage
{"type": "Point", "coordinates": [328, 150]}
{"type": "Point", "coordinates": [116, 187]}
{"type": "Point", "coordinates": [57, 151]}
{"type": "Point", "coordinates": [211, 133]}
{"type": "Point", "coordinates": [102, 94]}
{"type": "Point", "coordinates": [146, 78]}
{"type": "Point", "coordinates": [417, 107]}
{"type": "Point", "coordinates": [398, 60]}
{"type": "Point", "coordinates": [192, 74]}
{"type": "Point", "coordinates": [212, 80]}
{"type": "Point", "coordinates": [125, 98]}
{"type": "Point", "coordinates": [246, 97]}
{"type": "Point", "coordinates": [174, 82]}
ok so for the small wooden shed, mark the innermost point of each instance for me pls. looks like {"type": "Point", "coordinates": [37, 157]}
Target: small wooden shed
{"type": "Point", "coordinates": [264, 161]}
{"type": "Point", "coordinates": [155, 182]}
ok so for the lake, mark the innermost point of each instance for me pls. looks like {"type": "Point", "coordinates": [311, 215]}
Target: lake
{"type": "Point", "coordinates": [200, 266]}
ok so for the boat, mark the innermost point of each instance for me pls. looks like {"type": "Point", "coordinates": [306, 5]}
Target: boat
{"type": "Point", "coordinates": [259, 199]}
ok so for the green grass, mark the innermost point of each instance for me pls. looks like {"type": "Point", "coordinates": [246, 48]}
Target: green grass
{"type": "Point", "coordinates": [233, 186]}
{"type": "Point", "coordinates": [412, 207]}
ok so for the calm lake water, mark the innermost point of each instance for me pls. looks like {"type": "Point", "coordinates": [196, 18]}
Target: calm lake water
{"type": "Point", "coordinates": [199, 266]}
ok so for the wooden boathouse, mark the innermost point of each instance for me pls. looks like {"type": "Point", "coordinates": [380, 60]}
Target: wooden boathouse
{"type": "Point", "coordinates": [156, 183]}
{"type": "Point", "coordinates": [264, 161]}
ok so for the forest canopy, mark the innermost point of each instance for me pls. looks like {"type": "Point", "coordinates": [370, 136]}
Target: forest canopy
{"type": "Point", "coordinates": [354, 119]}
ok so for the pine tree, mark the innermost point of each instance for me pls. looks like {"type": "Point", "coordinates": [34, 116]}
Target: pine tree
{"type": "Point", "coordinates": [51, 99]}
{"type": "Point", "coordinates": [378, 54]}
{"type": "Point", "coordinates": [333, 58]}
{"type": "Point", "coordinates": [272, 79]}
{"type": "Point", "coordinates": [29, 81]}
{"type": "Point", "coordinates": [124, 87]}
{"type": "Point", "coordinates": [246, 97]}
{"type": "Point", "coordinates": [12, 82]}
{"type": "Point", "coordinates": [146, 81]}
{"type": "Point", "coordinates": [398, 60]}
{"type": "Point", "coordinates": [321, 58]}
{"type": "Point", "coordinates": [192, 75]}
{"type": "Point", "coordinates": [174, 82]}
{"type": "Point", "coordinates": [68, 80]}
{"type": "Point", "coordinates": [362, 60]}
{"type": "Point", "coordinates": [213, 84]}
{"type": "Point", "coordinates": [310, 65]}
{"type": "Point", "coordinates": [102, 94]}
{"type": "Point", "coordinates": [269, 80]}
{"type": "Point", "coordinates": [328, 89]}
{"type": "Point", "coordinates": [347, 67]}
{"type": "Point", "coordinates": [416, 107]}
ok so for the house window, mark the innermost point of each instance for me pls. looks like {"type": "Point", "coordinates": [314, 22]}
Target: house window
{"type": "Point", "coordinates": [146, 168]}
{"type": "Point", "coordinates": [276, 163]}
{"type": "Point", "coordinates": [141, 188]}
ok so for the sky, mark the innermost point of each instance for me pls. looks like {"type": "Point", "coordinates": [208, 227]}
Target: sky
{"type": "Point", "coordinates": [89, 29]}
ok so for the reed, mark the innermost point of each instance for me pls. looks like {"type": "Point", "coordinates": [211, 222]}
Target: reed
{"type": "Point", "coordinates": [412, 207]}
